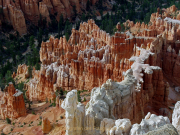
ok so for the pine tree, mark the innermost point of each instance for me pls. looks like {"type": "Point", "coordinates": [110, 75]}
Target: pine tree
{"type": "Point", "coordinates": [40, 37]}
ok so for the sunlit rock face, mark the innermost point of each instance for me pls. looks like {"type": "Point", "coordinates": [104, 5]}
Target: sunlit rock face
{"type": "Point", "coordinates": [115, 127]}
{"type": "Point", "coordinates": [74, 114]}
{"type": "Point", "coordinates": [150, 123]}
{"type": "Point", "coordinates": [12, 103]}
{"type": "Point", "coordinates": [123, 72]}
{"type": "Point", "coordinates": [176, 116]}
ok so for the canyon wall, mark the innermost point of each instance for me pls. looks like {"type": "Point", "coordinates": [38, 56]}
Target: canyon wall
{"type": "Point", "coordinates": [15, 12]}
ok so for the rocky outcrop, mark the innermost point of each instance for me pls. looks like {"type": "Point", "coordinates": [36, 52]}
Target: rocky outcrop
{"type": "Point", "coordinates": [23, 69]}
{"type": "Point", "coordinates": [74, 114]}
{"type": "Point", "coordinates": [176, 116]}
{"type": "Point", "coordinates": [100, 116]}
{"type": "Point", "coordinates": [46, 126]}
{"type": "Point", "coordinates": [167, 129]}
{"type": "Point", "coordinates": [115, 127]}
{"type": "Point", "coordinates": [14, 16]}
{"type": "Point", "coordinates": [151, 122]}
{"type": "Point", "coordinates": [12, 103]}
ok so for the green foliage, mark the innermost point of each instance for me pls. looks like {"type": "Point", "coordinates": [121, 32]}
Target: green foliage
{"type": "Point", "coordinates": [88, 5]}
{"type": "Point", "coordinates": [40, 123]}
{"type": "Point", "coordinates": [84, 99]}
{"type": "Point", "coordinates": [30, 71]}
{"type": "Point", "coordinates": [54, 102]}
{"type": "Point", "coordinates": [33, 112]}
{"type": "Point", "coordinates": [8, 120]}
{"type": "Point", "coordinates": [79, 97]}
{"type": "Point", "coordinates": [60, 25]}
{"type": "Point", "coordinates": [75, 12]}
{"type": "Point", "coordinates": [67, 36]}
{"type": "Point", "coordinates": [40, 37]}
{"type": "Point", "coordinates": [31, 41]}
{"type": "Point", "coordinates": [38, 66]}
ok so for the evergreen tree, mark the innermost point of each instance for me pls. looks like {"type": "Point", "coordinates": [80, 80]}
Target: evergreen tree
{"type": "Point", "coordinates": [83, 17]}
{"type": "Point", "coordinates": [31, 41]}
{"type": "Point", "coordinates": [40, 37]}
{"type": "Point", "coordinates": [79, 97]}
{"type": "Point", "coordinates": [88, 5]}
{"type": "Point", "coordinates": [60, 24]}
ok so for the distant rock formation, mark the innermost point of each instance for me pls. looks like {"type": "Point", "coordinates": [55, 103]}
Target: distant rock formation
{"type": "Point", "coordinates": [23, 69]}
{"type": "Point", "coordinates": [12, 103]}
{"type": "Point", "coordinates": [15, 12]}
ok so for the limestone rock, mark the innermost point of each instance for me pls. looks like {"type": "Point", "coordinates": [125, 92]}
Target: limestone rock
{"type": "Point", "coordinates": [150, 123]}
{"type": "Point", "coordinates": [167, 129]}
{"type": "Point", "coordinates": [176, 116]}
{"type": "Point", "coordinates": [115, 127]}
{"type": "Point", "coordinates": [74, 114]}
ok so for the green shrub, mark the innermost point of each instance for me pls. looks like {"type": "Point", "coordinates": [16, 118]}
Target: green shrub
{"type": "Point", "coordinates": [8, 120]}
{"type": "Point", "coordinates": [40, 123]}
{"type": "Point", "coordinates": [33, 112]}
{"type": "Point", "coordinates": [84, 99]}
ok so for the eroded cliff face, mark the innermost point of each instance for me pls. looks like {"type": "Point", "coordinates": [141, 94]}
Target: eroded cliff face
{"type": "Point", "coordinates": [15, 12]}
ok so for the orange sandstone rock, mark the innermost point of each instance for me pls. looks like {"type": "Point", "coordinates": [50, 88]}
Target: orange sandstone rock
{"type": "Point", "coordinates": [46, 126]}
{"type": "Point", "coordinates": [12, 103]}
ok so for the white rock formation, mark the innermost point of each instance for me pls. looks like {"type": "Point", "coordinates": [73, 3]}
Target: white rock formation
{"type": "Point", "coordinates": [74, 114]}
{"type": "Point", "coordinates": [104, 98]}
{"type": "Point", "coordinates": [115, 127]}
{"type": "Point", "coordinates": [176, 117]}
{"type": "Point", "coordinates": [151, 122]}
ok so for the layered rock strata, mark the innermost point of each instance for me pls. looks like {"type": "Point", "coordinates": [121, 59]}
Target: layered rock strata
{"type": "Point", "coordinates": [12, 103]}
